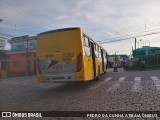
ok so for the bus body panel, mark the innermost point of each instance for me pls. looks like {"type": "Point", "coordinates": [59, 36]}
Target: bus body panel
{"type": "Point", "coordinates": [57, 54]}
{"type": "Point", "coordinates": [88, 63]}
{"type": "Point", "coordinates": [60, 53]}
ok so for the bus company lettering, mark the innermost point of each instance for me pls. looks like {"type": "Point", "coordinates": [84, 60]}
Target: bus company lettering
{"type": "Point", "coordinates": [68, 56]}
{"type": "Point", "coordinates": [49, 56]}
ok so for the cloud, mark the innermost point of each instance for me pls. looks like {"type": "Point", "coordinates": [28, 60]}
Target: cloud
{"type": "Point", "coordinates": [102, 19]}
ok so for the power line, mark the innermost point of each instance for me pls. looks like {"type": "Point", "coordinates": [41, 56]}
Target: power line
{"type": "Point", "coordinates": [130, 37]}
{"type": "Point", "coordinates": [132, 34]}
{"type": "Point", "coordinates": [7, 35]}
{"type": "Point", "coordinates": [33, 12]}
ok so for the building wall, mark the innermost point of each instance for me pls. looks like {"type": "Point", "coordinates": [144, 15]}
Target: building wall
{"type": "Point", "coordinates": [2, 44]}
{"type": "Point", "coordinates": [3, 60]}
{"type": "Point", "coordinates": [32, 62]}
{"type": "Point", "coordinates": [18, 63]}
{"type": "Point", "coordinates": [22, 56]}
{"type": "Point", "coordinates": [146, 50]}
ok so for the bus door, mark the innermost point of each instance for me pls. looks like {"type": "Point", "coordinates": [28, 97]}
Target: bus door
{"type": "Point", "coordinates": [93, 58]}
{"type": "Point", "coordinates": [102, 59]}
{"type": "Point", "coordinates": [106, 57]}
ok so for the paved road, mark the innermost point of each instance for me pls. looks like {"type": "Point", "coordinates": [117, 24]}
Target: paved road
{"type": "Point", "coordinates": [117, 91]}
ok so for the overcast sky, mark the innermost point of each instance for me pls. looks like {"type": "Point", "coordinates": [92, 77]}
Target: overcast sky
{"type": "Point", "coordinates": [101, 19]}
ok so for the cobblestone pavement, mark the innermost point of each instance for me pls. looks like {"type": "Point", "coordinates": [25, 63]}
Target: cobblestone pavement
{"type": "Point", "coordinates": [117, 91]}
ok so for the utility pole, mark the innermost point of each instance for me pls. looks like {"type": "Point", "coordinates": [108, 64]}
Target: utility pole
{"type": "Point", "coordinates": [139, 42]}
{"type": "Point", "coordinates": [27, 45]}
{"type": "Point", "coordinates": [115, 55]}
{"type": "Point", "coordinates": [27, 64]}
{"type": "Point", "coordinates": [135, 43]}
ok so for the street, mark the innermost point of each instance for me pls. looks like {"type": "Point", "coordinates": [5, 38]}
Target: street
{"type": "Point", "coordinates": [116, 91]}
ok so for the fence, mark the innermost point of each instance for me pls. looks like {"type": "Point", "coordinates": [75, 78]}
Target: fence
{"type": "Point", "coordinates": [151, 62]}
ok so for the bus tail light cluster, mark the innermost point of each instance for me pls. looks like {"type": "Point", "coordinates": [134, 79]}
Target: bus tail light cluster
{"type": "Point", "coordinates": [79, 62]}
{"type": "Point", "coordinates": [39, 66]}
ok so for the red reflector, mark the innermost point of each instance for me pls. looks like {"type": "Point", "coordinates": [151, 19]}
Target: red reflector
{"type": "Point", "coordinates": [79, 62]}
{"type": "Point", "coordinates": [39, 66]}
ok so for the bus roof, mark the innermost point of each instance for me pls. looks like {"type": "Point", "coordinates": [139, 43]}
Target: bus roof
{"type": "Point", "coordinates": [60, 30]}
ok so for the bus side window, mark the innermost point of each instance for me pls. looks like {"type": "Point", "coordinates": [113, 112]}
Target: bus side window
{"type": "Point", "coordinates": [86, 41]}
{"type": "Point", "coordinates": [89, 43]}
{"type": "Point", "coordinates": [97, 48]}
{"type": "Point", "coordinates": [104, 56]}
{"type": "Point", "coordinates": [87, 46]}
{"type": "Point", "coordinates": [99, 52]}
{"type": "Point", "coordinates": [83, 40]}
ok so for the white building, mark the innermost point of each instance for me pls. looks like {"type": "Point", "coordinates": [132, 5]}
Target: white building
{"type": "Point", "coordinates": [2, 43]}
{"type": "Point", "coordinates": [23, 44]}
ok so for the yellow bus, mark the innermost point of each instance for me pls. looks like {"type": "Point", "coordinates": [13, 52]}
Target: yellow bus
{"type": "Point", "coordinates": [69, 54]}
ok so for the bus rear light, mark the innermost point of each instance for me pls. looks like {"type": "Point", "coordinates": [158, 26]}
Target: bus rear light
{"type": "Point", "coordinates": [39, 66]}
{"type": "Point", "coordinates": [79, 62]}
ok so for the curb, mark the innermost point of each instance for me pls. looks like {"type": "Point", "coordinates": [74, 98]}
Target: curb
{"type": "Point", "coordinates": [14, 78]}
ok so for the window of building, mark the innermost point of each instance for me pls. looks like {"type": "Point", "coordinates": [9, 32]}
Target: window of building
{"type": "Point", "coordinates": [21, 47]}
{"type": "Point", "coordinates": [14, 48]}
{"type": "Point", "coordinates": [32, 46]}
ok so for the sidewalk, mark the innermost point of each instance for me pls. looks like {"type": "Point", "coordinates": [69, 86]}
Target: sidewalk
{"type": "Point", "coordinates": [15, 78]}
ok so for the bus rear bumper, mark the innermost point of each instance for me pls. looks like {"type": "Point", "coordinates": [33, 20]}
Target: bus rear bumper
{"type": "Point", "coordinates": [69, 77]}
